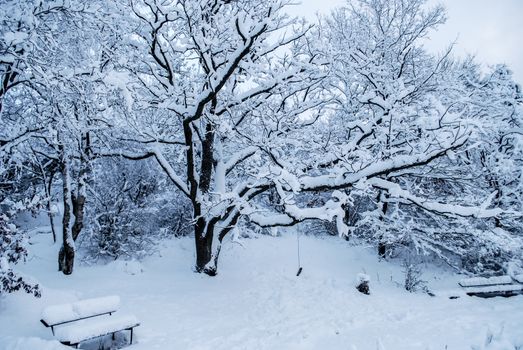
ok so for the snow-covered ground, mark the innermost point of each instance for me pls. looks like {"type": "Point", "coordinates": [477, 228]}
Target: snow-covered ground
{"type": "Point", "coordinates": [257, 302]}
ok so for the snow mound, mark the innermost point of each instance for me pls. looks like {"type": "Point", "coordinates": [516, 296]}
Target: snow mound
{"type": "Point", "coordinates": [13, 343]}
{"type": "Point", "coordinates": [360, 278]}
{"type": "Point", "coordinates": [130, 267]}
{"type": "Point", "coordinates": [498, 340]}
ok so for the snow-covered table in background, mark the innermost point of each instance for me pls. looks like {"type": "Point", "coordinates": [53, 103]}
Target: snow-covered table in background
{"type": "Point", "coordinates": [518, 278]}
{"type": "Point", "coordinates": [487, 287]}
{"type": "Point", "coordinates": [86, 319]}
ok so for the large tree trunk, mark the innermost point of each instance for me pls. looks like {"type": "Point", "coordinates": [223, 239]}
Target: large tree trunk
{"type": "Point", "coordinates": [79, 202]}
{"type": "Point", "coordinates": [204, 229]}
{"type": "Point", "coordinates": [207, 159]}
{"type": "Point", "coordinates": [81, 188]}
{"type": "Point", "coordinates": [203, 236]}
{"type": "Point", "coordinates": [67, 252]}
{"type": "Point", "coordinates": [204, 255]}
{"type": "Point", "coordinates": [208, 237]}
{"type": "Point", "coordinates": [78, 210]}
{"type": "Point", "coordinates": [74, 205]}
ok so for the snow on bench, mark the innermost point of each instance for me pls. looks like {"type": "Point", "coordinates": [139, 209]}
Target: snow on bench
{"type": "Point", "coordinates": [495, 289]}
{"type": "Point", "coordinates": [58, 314]}
{"type": "Point", "coordinates": [77, 332]}
{"type": "Point", "coordinates": [87, 319]}
{"type": "Point", "coordinates": [485, 281]}
{"type": "Point", "coordinates": [487, 287]}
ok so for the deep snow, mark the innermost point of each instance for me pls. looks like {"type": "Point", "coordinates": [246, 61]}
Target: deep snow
{"type": "Point", "coordinates": [257, 302]}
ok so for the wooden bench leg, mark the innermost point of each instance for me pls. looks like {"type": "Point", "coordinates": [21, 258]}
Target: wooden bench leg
{"type": "Point", "coordinates": [131, 337]}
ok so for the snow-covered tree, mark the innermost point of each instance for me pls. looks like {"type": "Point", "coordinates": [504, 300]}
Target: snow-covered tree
{"type": "Point", "coordinates": [403, 125]}
{"type": "Point", "coordinates": [60, 96]}
{"type": "Point", "coordinates": [232, 106]}
{"type": "Point", "coordinates": [224, 84]}
{"type": "Point", "coordinates": [258, 118]}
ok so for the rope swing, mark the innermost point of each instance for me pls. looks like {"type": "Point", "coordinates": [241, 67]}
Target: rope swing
{"type": "Point", "coordinates": [299, 260]}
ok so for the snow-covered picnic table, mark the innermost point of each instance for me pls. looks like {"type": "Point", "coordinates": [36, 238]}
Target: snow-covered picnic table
{"type": "Point", "coordinates": [518, 278]}
{"type": "Point", "coordinates": [76, 322]}
{"type": "Point", "coordinates": [487, 287]}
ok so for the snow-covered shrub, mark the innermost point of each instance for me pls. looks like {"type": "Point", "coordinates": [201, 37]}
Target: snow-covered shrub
{"type": "Point", "coordinates": [413, 281]}
{"type": "Point", "coordinates": [13, 250]}
{"type": "Point", "coordinates": [465, 244]}
{"type": "Point", "coordinates": [130, 208]}
{"type": "Point", "coordinates": [362, 283]}
{"type": "Point", "coordinates": [319, 228]}
{"type": "Point", "coordinates": [484, 258]}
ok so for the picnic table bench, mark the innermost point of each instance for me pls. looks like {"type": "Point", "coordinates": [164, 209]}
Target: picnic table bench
{"type": "Point", "coordinates": [87, 319]}
{"type": "Point", "coordinates": [518, 278]}
{"type": "Point", "coordinates": [487, 287]}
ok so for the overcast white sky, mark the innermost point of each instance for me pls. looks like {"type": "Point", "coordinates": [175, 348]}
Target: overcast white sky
{"type": "Point", "coordinates": [490, 29]}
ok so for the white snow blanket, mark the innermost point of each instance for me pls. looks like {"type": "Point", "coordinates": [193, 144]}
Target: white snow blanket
{"type": "Point", "coordinates": [257, 302]}
{"type": "Point", "coordinates": [94, 327]}
{"type": "Point", "coordinates": [55, 314]}
{"type": "Point", "coordinates": [26, 343]}
{"type": "Point", "coordinates": [485, 281]}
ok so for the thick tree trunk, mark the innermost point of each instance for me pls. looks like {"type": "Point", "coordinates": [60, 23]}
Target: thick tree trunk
{"type": "Point", "coordinates": [66, 259]}
{"type": "Point", "coordinates": [204, 229]}
{"type": "Point", "coordinates": [78, 211]}
{"type": "Point", "coordinates": [207, 159]}
{"type": "Point", "coordinates": [81, 189]}
{"type": "Point", "coordinates": [203, 236]}
{"type": "Point", "coordinates": [67, 252]}
{"type": "Point", "coordinates": [204, 256]}
{"type": "Point", "coordinates": [209, 239]}
{"type": "Point", "coordinates": [74, 205]}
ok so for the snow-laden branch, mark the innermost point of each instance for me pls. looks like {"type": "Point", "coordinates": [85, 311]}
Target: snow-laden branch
{"type": "Point", "coordinates": [6, 144]}
{"type": "Point", "coordinates": [482, 211]}
{"type": "Point", "coordinates": [154, 152]}
{"type": "Point", "coordinates": [169, 170]}
{"type": "Point", "coordinates": [333, 209]}
{"type": "Point", "coordinates": [293, 215]}
{"type": "Point", "coordinates": [396, 163]}
{"type": "Point", "coordinates": [238, 157]}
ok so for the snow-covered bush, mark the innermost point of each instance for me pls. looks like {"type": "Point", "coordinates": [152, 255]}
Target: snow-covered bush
{"type": "Point", "coordinates": [465, 244]}
{"type": "Point", "coordinates": [13, 250]}
{"type": "Point", "coordinates": [413, 281]}
{"type": "Point", "coordinates": [130, 209]}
